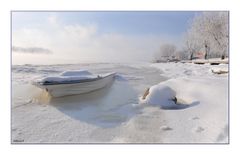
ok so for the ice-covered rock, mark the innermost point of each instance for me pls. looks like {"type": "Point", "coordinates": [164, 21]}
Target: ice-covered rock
{"type": "Point", "coordinates": [161, 95]}
{"type": "Point", "coordinates": [219, 70]}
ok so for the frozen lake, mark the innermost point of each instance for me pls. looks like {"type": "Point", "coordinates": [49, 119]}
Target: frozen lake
{"type": "Point", "coordinates": [113, 114]}
{"type": "Point", "coordinates": [107, 108]}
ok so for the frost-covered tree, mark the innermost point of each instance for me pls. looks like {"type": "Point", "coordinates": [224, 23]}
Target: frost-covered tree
{"type": "Point", "coordinates": [191, 43]}
{"type": "Point", "coordinates": [182, 54]}
{"type": "Point", "coordinates": [165, 53]}
{"type": "Point", "coordinates": [167, 50]}
{"type": "Point", "coordinates": [218, 31]}
{"type": "Point", "coordinates": [209, 31]}
{"type": "Point", "coordinates": [200, 27]}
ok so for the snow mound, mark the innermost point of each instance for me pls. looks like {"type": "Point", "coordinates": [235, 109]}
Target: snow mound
{"type": "Point", "coordinates": [161, 95]}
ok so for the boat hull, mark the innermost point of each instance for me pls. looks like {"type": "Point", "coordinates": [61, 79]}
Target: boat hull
{"type": "Point", "coordinates": [59, 90]}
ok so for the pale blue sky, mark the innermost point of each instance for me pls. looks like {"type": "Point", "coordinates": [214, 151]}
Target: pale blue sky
{"type": "Point", "coordinates": [136, 23]}
{"type": "Point", "coordinates": [98, 36]}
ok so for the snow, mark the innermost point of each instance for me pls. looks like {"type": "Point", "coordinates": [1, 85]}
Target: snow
{"type": "Point", "coordinates": [114, 115]}
{"type": "Point", "coordinates": [160, 95]}
{"type": "Point", "coordinates": [69, 76]}
{"type": "Point", "coordinates": [76, 73]}
{"type": "Point", "coordinates": [205, 119]}
{"type": "Point", "coordinates": [73, 75]}
{"type": "Point", "coordinates": [64, 78]}
{"type": "Point", "coordinates": [175, 70]}
{"type": "Point", "coordinates": [219, 69]}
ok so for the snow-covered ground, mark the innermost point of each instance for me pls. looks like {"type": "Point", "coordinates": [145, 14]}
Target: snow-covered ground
{"type": "Point", "coordinates": [117, 114]}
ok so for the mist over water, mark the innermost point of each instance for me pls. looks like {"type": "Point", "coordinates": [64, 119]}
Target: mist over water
{"type": "Point", "coordinates": [94, 38]}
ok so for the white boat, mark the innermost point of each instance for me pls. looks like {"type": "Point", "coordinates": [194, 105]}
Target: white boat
{"type": "Point", "coordinates": [73, 83]}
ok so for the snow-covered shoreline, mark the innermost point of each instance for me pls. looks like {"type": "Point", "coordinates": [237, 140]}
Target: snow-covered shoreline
{"type": "Point", "coordinates": [207, 119]}
{"type": "Point", "coordinates": [113, 115]}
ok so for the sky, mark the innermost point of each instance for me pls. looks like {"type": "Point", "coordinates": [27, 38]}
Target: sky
{"type": "Point", "coordinates": [80, 37]}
